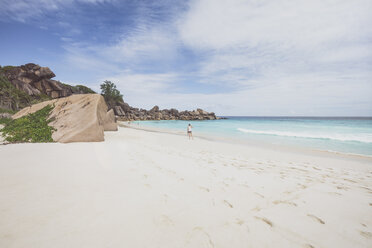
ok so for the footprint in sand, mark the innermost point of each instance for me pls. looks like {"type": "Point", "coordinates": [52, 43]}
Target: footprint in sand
{"type": "Point", "coordinates": [257, 209]}
{"type": "Point", "coordinates": [239, 222]}
{"type": "Point", "coordinates": [242, 223]}
{"type": "Point", "coordinates": [199, 238]}
{"type": "Point", "coordinates": [308, 246]}
{"type": "Point", "coordinates": [285, 202]}
{"type": "Point", "coordinates": [204, 188]}
{"type": "Point", "coordinates": [268, 222]}
{"type": "Point", "coordinates": [367, 235]}
{"type": "Point", "coordinates": [259, 195]}
{"type": "Point", "coordinates": [164, 220]}
{"type": "Point", "coordinates": [316, 218]}
{"type": "Point", "coordinates": [342, 187]}
{"type": "Point", "coordinates": [302, 186]}
{"type": "Point", "coordinates": [228, 204]}
{"type": "Point", "coordinates": [244, 185]}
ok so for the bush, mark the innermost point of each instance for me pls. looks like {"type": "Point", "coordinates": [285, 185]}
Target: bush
{"type": "Point", "coordinates": [6, 68]}
{"type": "Point", "coordinates": [9, 111]}
{"type": "Point", "coordinates": [30, 128]}
{"type": "Point", "coordinates": [4, 121]}
{"type": "Point", "coordinates": [84, 89]}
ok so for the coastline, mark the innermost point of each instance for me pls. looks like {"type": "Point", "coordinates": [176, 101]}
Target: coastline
{"type": "Point", "coordinates": [153, 189]}
{"type": "Point", "coordinates": [263, 144]}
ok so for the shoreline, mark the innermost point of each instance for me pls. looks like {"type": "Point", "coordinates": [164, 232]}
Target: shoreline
{"type": "Point", "coordinates": [230, 140]}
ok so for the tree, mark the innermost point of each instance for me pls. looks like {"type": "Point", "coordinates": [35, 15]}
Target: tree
{"type": "Point", "coordinates": [110, 93]}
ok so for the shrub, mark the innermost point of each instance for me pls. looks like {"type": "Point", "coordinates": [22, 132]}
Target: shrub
{"type": "Point", "coordinates": [30, 128]}
{"type": "Point", "coordinates": [84, 89]}
{"type": "Point", "coordinates": [4, 121]}
{"type": "Point", "coordinates": [10, 111]}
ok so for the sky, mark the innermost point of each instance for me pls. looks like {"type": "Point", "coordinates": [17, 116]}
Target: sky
{"type": "Point", "coordinates": [232, 57]}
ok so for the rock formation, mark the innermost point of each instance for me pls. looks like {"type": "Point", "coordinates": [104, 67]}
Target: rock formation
{"type": "Point", "coordinates": [36, 80]}
{"type": "Point", "coordinates": [77, 118]}
{"type": "Point", "coordinates": [134, 114]}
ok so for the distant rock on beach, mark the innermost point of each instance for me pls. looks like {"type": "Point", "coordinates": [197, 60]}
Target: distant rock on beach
{"type": "Point", "coordinates": [77, 118]}
{"type": "Point", "coordinates": [127, 113]}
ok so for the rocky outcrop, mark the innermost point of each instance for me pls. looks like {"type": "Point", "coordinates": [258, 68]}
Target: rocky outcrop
{"type": "Point", "coordinates": [35, 80]}
{"type": "Point", "coordinates": [77, 118]}
{"type": "Point", "coordinates": [134, 114]}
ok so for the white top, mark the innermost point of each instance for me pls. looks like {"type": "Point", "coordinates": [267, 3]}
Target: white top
{"type": "Point", "coordinates": [189, 128]}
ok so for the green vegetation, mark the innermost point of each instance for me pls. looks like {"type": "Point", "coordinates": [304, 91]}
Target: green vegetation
{"type": "Point", "coordinates": [18, 98]}
{"type": "Point", "coordinates": [4, 121]}
{"type": "Point", "coordinates": [40, 98]}
{"type": "Point", "coordinates": [30, 128]}
{"type": "Point", "coordinates": [6, 68]}
{"type": "Point", "coordinates": [110, 93]}
{"type": "Point", "coordinates": [3, 110]}
{"type": "Point", "coordinates": [81, 89]}
{"type": "Point", "coordinates": [84, 89]}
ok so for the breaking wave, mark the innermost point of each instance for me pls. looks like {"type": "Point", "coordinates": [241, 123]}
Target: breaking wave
{"type": "Point", "coordinates": [365, 138]}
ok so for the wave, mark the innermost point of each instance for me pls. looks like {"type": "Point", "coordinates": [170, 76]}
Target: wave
{"type": "Point", "coordinates": [365, 138]}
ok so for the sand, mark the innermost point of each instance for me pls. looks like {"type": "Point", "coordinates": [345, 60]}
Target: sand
{"type": "Point", "coordinates": [149, 189]}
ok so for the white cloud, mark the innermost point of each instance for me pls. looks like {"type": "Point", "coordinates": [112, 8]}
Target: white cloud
{"type": "Point", "coordinates": [23, 10]}
{"type": "Point", "coordinates": [224, 24]}
{"type": "Point", "coordinates": [148, 84]}
{"type": "Point", "coordinates": [277, 57]}
{"type": "Point", "coordinates": [144, 43]}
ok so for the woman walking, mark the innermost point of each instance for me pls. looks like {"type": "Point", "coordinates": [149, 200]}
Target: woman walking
{"type": "Point", "coordinates": [189, 131]}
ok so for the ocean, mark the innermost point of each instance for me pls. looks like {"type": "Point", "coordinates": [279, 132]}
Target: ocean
{"type": "Point", "coordinates": [352, 135]}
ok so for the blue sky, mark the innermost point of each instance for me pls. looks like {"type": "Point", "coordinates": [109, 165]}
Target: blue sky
{"type": "Point", "coordinates": [233, 57]}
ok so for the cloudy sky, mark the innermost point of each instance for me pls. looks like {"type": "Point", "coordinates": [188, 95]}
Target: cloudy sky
{"type": "Point", "coordinates": [233, 57]}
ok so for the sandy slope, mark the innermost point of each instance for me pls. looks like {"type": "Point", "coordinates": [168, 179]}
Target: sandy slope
{"type": "Point", "coordinates": [146, 189]}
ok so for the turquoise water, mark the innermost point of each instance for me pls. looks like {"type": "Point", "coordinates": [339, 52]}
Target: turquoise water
{"type": "Point", "coordinates": [345, 135]}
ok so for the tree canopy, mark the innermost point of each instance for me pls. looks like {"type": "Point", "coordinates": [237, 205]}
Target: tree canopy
{"type": "Point", "coordinates": [110, 93]}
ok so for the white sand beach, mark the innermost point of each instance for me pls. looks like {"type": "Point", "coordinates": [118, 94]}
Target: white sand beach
{"type": "Point", "coordinates": [149, 189]}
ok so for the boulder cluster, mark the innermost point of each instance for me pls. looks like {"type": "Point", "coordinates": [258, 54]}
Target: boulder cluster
{"type": "Point", "coordinates": [35, 80]}
{"type": "Point", "coordinates": [127, 113]}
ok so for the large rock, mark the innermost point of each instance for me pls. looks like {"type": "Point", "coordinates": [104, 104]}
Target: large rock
{"type": "Point", "coordinates": [154, 109]}
{"type": "Point", "coordinates": [36, 80]}
{"type": "Point", "coordinates": [77, 118]}
{"type": "Point", "coordinates": [119, 111]}
{"type": "Point", "coordinates": [110, 121]}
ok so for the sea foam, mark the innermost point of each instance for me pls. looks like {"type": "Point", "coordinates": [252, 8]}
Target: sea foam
{"type": "Point", "coordinates": [365, 138]}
